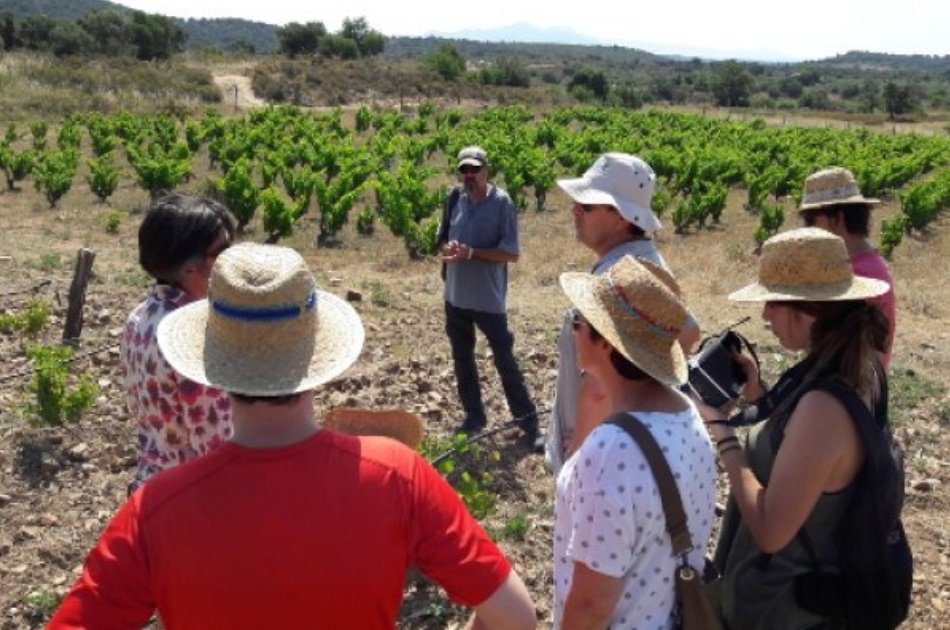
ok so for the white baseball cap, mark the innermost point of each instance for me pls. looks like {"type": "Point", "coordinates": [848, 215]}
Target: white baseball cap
{"type": "Point", "coordinates": [620, 180]}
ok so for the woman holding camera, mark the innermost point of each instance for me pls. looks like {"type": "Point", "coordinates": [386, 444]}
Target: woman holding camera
{"type": "Point", "coordinates": [793, 479]}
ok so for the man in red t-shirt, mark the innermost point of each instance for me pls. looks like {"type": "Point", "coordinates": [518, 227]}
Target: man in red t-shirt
{"type": "Point", "coordinates": [832, 201]}
{"type": "Point", "coordinates": [287, 525]}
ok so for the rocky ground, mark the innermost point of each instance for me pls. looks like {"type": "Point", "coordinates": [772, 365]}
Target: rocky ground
{"type": "Point", "coordinates": [59, 486]}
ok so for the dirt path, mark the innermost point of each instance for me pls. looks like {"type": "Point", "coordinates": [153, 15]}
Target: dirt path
{"type": "Point", "coordinates": [236, 91]}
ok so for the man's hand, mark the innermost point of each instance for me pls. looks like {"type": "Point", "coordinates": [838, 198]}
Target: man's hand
{"type": "Point", "coordinates": [453, 251]}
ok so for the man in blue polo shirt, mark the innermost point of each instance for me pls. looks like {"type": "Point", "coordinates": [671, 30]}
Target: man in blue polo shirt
{"type": "Point", "coordinates": [477, 243]}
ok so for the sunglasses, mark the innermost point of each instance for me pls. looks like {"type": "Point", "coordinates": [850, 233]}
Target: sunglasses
{"type": "Point", "coordinates": [576, 319]}
{"type": "Point", "coordinates": [587, 208]}
{"type": "Point", "coordinates": [808, 218]}
{"type": "Point", "coordinates": [467, 169]}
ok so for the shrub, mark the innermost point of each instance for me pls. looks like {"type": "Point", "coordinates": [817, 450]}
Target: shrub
{"type": "Point", "coordinates": [57, 403]}
{"type": "Point", "coordinates": [31, 322]}
{"type": "Point", "coordinates": [113, 221]}
{"type": "Point", "coordinates": [103, 176]}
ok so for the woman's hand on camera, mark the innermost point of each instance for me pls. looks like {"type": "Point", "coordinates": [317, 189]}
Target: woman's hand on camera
{"type": "Point", "coordinates": [753, 389]}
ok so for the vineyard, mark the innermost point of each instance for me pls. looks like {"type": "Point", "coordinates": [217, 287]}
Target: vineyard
{"type": "Point", "coordinates": [358, 193]}
{"type": "Point", "coordinates": [278, 164]}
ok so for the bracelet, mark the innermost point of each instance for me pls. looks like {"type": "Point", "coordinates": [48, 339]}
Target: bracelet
{"type": "Point", "coordinates": [471, 252]}
{"type": "Point", "coordinates": [733, 447]}
{"type": "Point", "coordinates": [727, 440]}
{"type": "Point", "coordinates": [724, 421]}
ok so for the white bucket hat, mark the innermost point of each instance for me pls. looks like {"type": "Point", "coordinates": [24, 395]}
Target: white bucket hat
{"type": "Point", "coordinates": [620, 180]}
{"type": "Point", "coordinates": [264, 330]}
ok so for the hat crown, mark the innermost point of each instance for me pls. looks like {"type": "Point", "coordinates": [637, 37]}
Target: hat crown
{"type": "Point", "coordinates": [472, 155]}
{"type": "Point", "coordinates": [804, 258]}
{"type": "Point", "coordinates": [638, 300]}
{"type": "Point", "coordinates": [623, 176]}
{"type": "Point", "coordinates": [831, 186]}
{"type": "Point", "coordinates": [260, 278]}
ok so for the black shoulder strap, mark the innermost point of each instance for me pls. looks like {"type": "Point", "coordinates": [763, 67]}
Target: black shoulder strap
{"type": "Point", "coordinates": [450, 201]}
{"type": "Point", "coordinates": [868, 426]}
{"type": "Point", "coordinates": [676, 524]}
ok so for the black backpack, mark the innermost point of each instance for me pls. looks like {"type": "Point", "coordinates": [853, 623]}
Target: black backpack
{"type": "Point", "coordinates": [876, 565]}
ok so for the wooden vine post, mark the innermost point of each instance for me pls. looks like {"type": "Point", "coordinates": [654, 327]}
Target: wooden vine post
{"type": "Point", "coordinates": [77, 296]}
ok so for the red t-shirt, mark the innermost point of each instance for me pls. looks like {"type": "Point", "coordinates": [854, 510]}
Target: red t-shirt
{"type": "Point", "coordinates": [871, 265]}
{"type": "Point", "coordinates": [315, 534]}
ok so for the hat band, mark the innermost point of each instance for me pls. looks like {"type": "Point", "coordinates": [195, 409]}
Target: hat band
{"type": "Point", "coordinates": [831, 193]}
{"type": "Point", "coordinates": [669, 332]}
{"type": "Point", "coordinates": [266, 314]}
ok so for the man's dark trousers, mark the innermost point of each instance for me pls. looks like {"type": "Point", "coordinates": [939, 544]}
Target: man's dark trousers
{"type": "Point", "coordinates": [460, 325]}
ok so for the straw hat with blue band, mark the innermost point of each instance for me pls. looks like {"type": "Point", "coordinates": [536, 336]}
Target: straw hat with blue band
{"type": "Point", "coordinates": [265, 330]}
{"type": "Point", "coordinates": [637, 312]}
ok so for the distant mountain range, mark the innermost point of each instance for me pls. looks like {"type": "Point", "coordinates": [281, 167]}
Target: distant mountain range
{"type": "Point", "coordinates": [529, 33]}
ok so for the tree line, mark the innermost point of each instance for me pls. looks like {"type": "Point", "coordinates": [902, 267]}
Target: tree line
{"type": "Point", "coordinates": [145, 36]}
{"type": "Point", "coordinates": [151, 37]}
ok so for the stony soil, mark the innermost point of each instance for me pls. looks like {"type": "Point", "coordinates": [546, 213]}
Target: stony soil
{"type": "Point", "coordinates": [59, 486]}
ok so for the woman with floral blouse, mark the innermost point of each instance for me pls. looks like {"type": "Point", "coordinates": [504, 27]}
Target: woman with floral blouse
{"type": "Point", "coordinates": [178, 419]}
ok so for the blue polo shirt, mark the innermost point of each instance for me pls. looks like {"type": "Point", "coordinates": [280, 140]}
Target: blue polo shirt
{"type": "Point", "coordinates": [492, 223]}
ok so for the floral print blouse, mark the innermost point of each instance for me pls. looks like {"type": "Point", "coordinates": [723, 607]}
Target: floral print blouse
{"type": "Point", "coordinates": [177, 419]}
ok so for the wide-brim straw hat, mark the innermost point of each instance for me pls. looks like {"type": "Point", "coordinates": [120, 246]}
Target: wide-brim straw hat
{"type": "Point", "coordinates": [398, 424]}
{"type": "Point", "coordinates": [264, 330]}
{"type": "Point", "coordinates": [832, 187]}
{"type": "Point", "coordinates": [621, 180]}
{"type": "Point", "coordinates": [807, 264]}
{"type": "Point", "coordinates": [637, 313]}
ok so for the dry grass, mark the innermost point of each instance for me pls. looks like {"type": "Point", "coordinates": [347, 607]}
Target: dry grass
{"type": "Point", "coordinates": [402, 308]}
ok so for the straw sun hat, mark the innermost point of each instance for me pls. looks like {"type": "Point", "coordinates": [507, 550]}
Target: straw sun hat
{"type": "Point", "coordinates": [637, 312]}
{"type": "Point", "coordinates": [831, 187]}
{"type": "Point", "coordinates": [807, 264]}
{"type": "Point", "coordinates": [265, 330]}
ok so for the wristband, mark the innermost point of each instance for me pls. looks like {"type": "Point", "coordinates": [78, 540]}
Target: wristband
{"type": "Point", "coordinates": [727, 440]}
{"type": "Point", "coordinates": [733, 447]}
{"type": "Point", "coordinates": [724, 421]}
{"type": "Point", "coordinates": [471, 252]}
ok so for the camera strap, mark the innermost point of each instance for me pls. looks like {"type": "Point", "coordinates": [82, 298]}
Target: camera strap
{"type": "Point", "coordinates": [777, 398]}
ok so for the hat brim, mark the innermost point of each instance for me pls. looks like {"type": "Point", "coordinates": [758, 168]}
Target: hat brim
{"type": "Point", "coordinates": [838, 202]}
{"type": "Point", "coordinates": [258, 371]}
{"type": "Point", "coordinates": [582, 191]}
{"type": "Point", "coordinates": [471, 162]}
{"type": "Point", "coordinates": [659, 358]}
{"type": "Point", "coordinates": [859, 288]}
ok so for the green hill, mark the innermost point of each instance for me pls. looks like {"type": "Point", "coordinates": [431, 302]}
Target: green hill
{"type": "Point", "coordinates": [226, 34]}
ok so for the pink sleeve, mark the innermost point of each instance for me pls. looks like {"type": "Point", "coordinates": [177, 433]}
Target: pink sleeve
{"type": "Point", "coordinates": [871, 265]}
{"type": "Point", "coordinates": [113, 591]}
{"type": "Point", "coordinates": [448, 545]}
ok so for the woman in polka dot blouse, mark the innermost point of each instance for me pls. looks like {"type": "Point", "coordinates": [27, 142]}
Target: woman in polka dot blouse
{"type": "Point", "coordinates": [613, 560]}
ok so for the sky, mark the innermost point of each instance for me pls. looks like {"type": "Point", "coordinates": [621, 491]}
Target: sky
{"type": "Point", "coordinates": [793, 30]}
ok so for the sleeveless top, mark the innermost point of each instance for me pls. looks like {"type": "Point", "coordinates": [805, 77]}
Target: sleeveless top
{"type": "Point", "coordinates": [758, 588]}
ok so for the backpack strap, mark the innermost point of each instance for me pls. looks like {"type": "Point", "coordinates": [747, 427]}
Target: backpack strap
{"type": "Point", "coordinates": [447, 206]}
{"type": "Point", "coordinates": [676, 525]}
{"type": "Point", "coordinates": [865, 423]}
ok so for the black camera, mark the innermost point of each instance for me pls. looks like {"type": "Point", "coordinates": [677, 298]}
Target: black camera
{"type": "Point", "coordinates": [713, 373]}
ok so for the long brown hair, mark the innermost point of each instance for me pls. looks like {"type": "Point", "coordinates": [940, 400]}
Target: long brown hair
{"type": "Point", "coordinates": [845, 340]}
